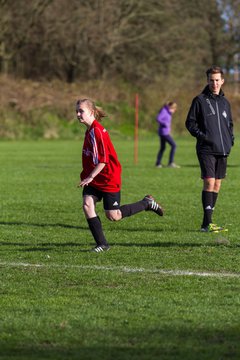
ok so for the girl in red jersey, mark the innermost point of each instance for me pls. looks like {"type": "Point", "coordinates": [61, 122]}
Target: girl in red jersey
{"type": "Point", "coordinates": [101, 175]}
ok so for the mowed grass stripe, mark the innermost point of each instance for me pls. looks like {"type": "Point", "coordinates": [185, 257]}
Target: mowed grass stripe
{"type": "Point", "coordinates": [126, 269]}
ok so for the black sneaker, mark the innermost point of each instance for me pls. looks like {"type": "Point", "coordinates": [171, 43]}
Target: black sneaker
{"type": "Point", "coordinates": [100, 248]}
{"type": "Point", "coordinates": [153, 205]}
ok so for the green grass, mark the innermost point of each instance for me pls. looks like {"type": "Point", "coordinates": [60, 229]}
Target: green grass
{"type": "Point", "coordinates": [60, 301]}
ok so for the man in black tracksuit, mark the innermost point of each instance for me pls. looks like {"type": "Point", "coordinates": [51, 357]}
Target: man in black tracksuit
{"type": "Point", "coordinates": [210, 121]}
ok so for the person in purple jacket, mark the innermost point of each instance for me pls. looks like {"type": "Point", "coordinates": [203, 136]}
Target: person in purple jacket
{"type": "Point", "coordinates": [164, 119]}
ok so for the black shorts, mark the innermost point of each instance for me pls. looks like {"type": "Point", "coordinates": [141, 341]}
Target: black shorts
{"type": "Point", "coordinates": [111, 200]}
{"type": "Point", "coordinates": [212, 166]}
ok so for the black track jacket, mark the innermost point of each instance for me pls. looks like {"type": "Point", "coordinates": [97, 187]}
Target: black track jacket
{"type": "Point", "coordinates": [210, 121]}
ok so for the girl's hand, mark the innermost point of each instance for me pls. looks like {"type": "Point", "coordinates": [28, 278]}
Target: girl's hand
{"type": "Point", "coordinates": [85, 182]}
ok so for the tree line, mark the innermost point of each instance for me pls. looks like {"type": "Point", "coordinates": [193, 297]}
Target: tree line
{"type": "Point", "coordinates": [136, 40]}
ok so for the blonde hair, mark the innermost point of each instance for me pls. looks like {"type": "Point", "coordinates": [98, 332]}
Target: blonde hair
{"type": "Point", "coordinates": [172, 105]}
{"type": "Point", "coordinates": [98, 111]}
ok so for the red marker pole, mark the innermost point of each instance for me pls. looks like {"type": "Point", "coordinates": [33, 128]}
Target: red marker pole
{"type": "Point", "coordinates": [136, 131]}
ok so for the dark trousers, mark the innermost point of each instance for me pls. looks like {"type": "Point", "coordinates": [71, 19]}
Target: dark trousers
{"type": "Point", "coordinates": [163, 140]}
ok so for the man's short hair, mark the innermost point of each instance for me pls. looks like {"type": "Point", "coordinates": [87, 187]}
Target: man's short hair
{"type": "Point", "coordinates": [215, 70]}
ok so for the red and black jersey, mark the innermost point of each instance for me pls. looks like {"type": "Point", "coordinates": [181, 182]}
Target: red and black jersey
{"type": "Point", "coordinates": [98, 148]}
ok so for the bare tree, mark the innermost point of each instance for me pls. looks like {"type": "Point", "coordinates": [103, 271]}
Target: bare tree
{"type": "Point", "coordinates": [137, 40]}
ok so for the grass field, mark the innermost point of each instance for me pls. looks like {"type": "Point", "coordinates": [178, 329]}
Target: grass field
{"type": "Point", "coordinates": [163, 291]}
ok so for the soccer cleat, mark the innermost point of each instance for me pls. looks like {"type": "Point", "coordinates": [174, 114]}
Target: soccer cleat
{"type": "Point", "coordinates": [153, 205]}
{"type": "Point", "coordinates": [159, 166]}
{"type": "Point", "coordinates": [213, 228]}
{"type": "Point", "coordinates": [100, 248]}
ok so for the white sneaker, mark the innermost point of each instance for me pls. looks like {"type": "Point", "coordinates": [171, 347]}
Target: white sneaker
{"type": "Point", "coordinates": [173, 165]}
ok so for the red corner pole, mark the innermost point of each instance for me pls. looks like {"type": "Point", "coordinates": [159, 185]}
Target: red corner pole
{"type": "Point", "coordinates": [136, 131]}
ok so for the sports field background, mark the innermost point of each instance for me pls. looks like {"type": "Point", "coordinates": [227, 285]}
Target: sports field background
{"type": "Point", "coordinates": [163, 291]}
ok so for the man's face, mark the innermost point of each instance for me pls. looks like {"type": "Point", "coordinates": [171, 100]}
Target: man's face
{"type": "Point", "coordinates": [215, 82]}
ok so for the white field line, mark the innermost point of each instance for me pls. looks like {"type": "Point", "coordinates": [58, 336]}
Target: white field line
{"type": "Point", "coordinates": [126, 269]}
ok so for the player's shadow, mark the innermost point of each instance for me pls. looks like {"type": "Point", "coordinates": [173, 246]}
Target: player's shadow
{"type": "Point", "coordinates": [48, 246]}
{"type": "Point", "coordinates": [197, 165]}
{"type": "Point", "coordinates": [77, 227]}
{"type": "Point", "coordinates": [40, 246]}
{"type": "Point", "coordinates": [233, 166]}
{"type": "Point", "coordinates": [190, 165]}
{"type": "Point", "coordinates": [68, 246]}
{"type": "Point", "coordinates": [21, 223]}
{"type": "Point", "coordinates": [160, 244]}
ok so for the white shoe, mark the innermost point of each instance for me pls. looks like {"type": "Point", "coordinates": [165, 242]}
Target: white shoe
{"type": "Point", "coordinates": [173, 165]}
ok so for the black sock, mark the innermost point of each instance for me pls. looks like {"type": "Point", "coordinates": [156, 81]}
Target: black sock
{"type": "Point", "coordinates": [131, 209]}
{"type": "Point", "coordinates": [215, 195]}
{"type": "Point", "coordinates": [95, 227]}
{"type": "Point", "coordinates": [207, 203]}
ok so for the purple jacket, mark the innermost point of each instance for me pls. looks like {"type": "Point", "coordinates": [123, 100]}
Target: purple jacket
{"type": "Point", "coordinates": [164, 119]}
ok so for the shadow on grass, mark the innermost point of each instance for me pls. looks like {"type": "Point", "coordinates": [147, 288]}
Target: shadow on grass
{"type": "Point", "coordinates": [173, 244]}
{"type": "Point", "coordinates": [123, 228]}
{"type": "Point", "coordinates": [233, 165]}
{"type": "Point", "coordinates": [20, 223]}
{"type": "Point", "coordinates": [48, 246]}
{"type": "Point", "coordinates": [197, 165]}
{"type": "Point", "coordinates": [66, 226]}
{"type": "Point", "coordinates": [190, 166]}
{"type": "Point", "coordinates": [163, 342]}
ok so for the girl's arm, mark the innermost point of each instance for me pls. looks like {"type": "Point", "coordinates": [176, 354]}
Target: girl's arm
{"type": "Point", "coordinates": [93, 174]}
